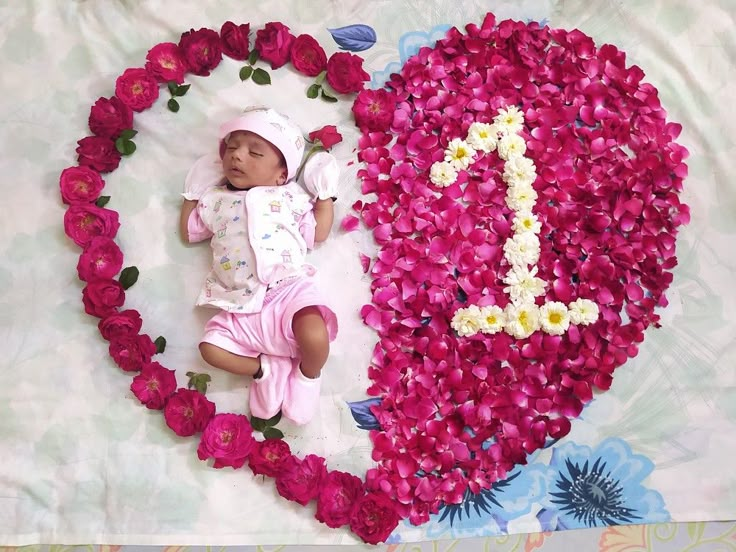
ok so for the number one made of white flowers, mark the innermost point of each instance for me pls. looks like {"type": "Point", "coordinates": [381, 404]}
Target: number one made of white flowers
{"type": "Point", "coordinates": [522, 316]}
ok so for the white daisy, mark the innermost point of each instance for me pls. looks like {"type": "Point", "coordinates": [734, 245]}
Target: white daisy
{"type": "Point", "coordinates": [519, 171]}
{"type": "Point", "coordinates": [522, 320]}
{"type": "Point", "coordinates": [510, 146]}
{"type": "Point", "coordinates": [523, 284]}
{"type": "Point", "coordinates": [467, 321]}
{"type": "Point", "coordinates": [459, 153]}
{"type": "Point", "coordinates": [492, 319]}
{"type": "Point", "coordinates": [483, 137]}
{"type": "Point", "coordinates": [554, 318]}
{"type": "Point", "coordinates": [509, 120]}
{"type": "Point", "coordinates": [522, 249]}
{"type": "Point", "coordinates": [526, 221]}
{"type": "Point", "coordinates": [583, 312]}
{"type": "Point", "coordinates": [442, 174]}
{"type": "Point", "coordinates": [521, 198]}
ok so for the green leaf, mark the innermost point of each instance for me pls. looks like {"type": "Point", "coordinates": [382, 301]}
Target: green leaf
{"type": "Point", "coordinates": [172, 87]}
{"type": "Point", "coordinates": [326, 97]}
{"type": "Point", "coordinates": [125, 147]}
{"type": "Point", "coordinates": [313, 91]}
{"type": "Point", "coordinates": [128, 133]}
{"type": "Point", "coordinates": [253, 57]}
{"type": "Point", "coordinates": [260, 76]}
{"type": "Point", "coordinates": [245, 72]}
{"type": "Point", "coordinates": [102, 201]}
{"type": "Point", "coordinates": [181, 90]}
{"type": "Point", "coordinates": [321, 77]}
{"type": "Point", "coordinates": [273, 433]}
{"type": "Point", "coordinates": [275, 420]}
{"type": "Point", "coordinates": [198, 381]}
{"type": "Point", "coordinates": [128, 276]}
{"type": "Point", "coordinates": [173, 105]}
{"type": "Point", "coordinates": [258, 424]}
{"type": "Point", "coordinates": [160, 344]}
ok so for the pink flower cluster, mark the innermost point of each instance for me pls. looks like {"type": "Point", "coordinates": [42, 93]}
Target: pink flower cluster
{"type": "Point", "coordinates": [459, 413]}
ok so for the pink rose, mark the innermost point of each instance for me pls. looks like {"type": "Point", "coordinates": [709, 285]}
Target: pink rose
{"type": "Point", "coordinates": [345, 72]}
{"type": "Point", "coordinates": [327, 135]}
{"type": "Point", "coordinates": [165, 62]}
{"type": "Point", "coordinates": [131, 352]}
{"type": "Point", "coordinates": [235, 40]}
{"type": "Point", "coordinates": [374, 517]}
{"type": "Point", "coordinates": [84, 222]}
{"type": "Point", "coordinates": [102, 297]}
{"type": "Point", "coordinates": [339, 493]}
{"type": "Point", "coordinates": [228, 438]}
{"type": "Point", "coordinates": [202, 50]}
{"type": "Point", "coordinates": [374, 110]}
{"type": "Point", "coordinates": [101, 258]}
{"type": "Point", "coordinates": [154, 385]}
{"type": "Point", "coordinates": [300, 480]}
{"type": "Point", "coordinates": [137, 88]}
{"type": "Point", "coordinates": [108, 117]}
{"type": "Point", "coordinates": [187, 412]}
{"type": "Point", "coordinates": [98, 153]}
{"type": "Point", "coordinates": [307, 56]}
{"type": "Point", "coordinates": [268, 457]}
{"type": "Point", "coordinates": [127, 322]}
{"type": "Point", "coordinates": [273, 44]}
{"type": "Point", "coordinates": [80, 185]}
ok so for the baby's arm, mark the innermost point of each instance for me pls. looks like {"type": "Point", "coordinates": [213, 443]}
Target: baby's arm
{"type": "Point", "coordinates": [187, 207]}
{"type": "Point", "coordinates": [324, 214]}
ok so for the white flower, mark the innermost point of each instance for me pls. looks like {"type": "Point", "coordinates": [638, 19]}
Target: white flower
{"type": "Point", "coordinates": [583, 311]}
{"type": "Point", "coordinates": [523, 284]}
{"type": "Point", "coordinates": [510, 146]}
{"type": "Point", "coordinates": [467, 321]}
{"type": "Point", "coordinates": [522, 249]}
{"type": "Point", "coordinates": [509, 120]}
{"type": "Point", "coordinates": [442, 174]}
{"type": "Point", "coordinates": [554, 318]}
{"type": "Point", "coordinates": [459, 153]}
{"type": "Point", "coordinates": [526, 221]}
{"type": "Point", "coordinates": [492, 319]}
{"type": "Point", "coordinates": [519, 171]}
{"type": "Point", "coordinates": [522, 320]}
{"type": "Point", "coordinates": [483, 137]}
{"type": "Point", "coordinates": [521, 198]}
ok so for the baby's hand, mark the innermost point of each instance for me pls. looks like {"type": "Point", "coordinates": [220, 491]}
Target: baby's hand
{"type": "Point", "coordinates": [206, 173]}
{"type": "Point", "coordinates": [321, 175]}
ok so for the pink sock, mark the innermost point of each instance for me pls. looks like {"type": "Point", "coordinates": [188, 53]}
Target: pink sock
{"type": "Point", "coordinates": [267, 392]}
{"type": "Point", "coordinates": [301, 399]}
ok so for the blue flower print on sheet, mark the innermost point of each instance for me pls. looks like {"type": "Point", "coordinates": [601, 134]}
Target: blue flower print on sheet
{"type": "Point", "coordinates": [594, 488]}
{"type": "Point", "coordinates": [409, 45]}
{"type": "Point", "coordinates": [354, 38]}
{"type": "Point", "coordinates": [361, 411]}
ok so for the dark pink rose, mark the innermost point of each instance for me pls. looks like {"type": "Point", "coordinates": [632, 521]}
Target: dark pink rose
{"type": "Point", "coordinates": [202, 50]}
{"type": "Point", "coordinates": [300, 480]}
{"type": "Point", "coordinates": [108, 117]}
{"type": "Point", "coordinates": [187, 412]}
{"type": "Point", "coordinates": [327, 135]}
{"type": "Point", "coordinates": [127, 322]}
{"type": "Point", "coordinates": [228, 438]}
{"type": "Point", "coordinates": [101, 258]}
{"type": "Point", "coordinates": [154, 385]}
{"type": "Point", "coordinates": [165, 62]}
{"type": "Point", "coordinates": [273, 43]}
{"type": "Point", "coordinates": [80, 185]}
{"type": "Point", "coordinates": [374, 110]}
{"type": "Point", "coordinates": [102, 297]}
{"type": "Point", "coordinates": [339, 493]}
{"type": "Point", "coordinates": [345, 72]}
{"type": "Point", "coordinates": [98, 153]}
{"type": "Point", "coordinates": [268, 457]}
{"type": "Point", "coordinates": [131, 352]}
{"type": "Point", "coordinates": [374, 517]}
{"type": "Point", "coordinates": [137, 88]}
{"type": "Point", "coordinates": [84, 222]}
{"type": "Point", "coordinates": [235, 40]}
{"type": "Point", "coordinates": [307, 56]}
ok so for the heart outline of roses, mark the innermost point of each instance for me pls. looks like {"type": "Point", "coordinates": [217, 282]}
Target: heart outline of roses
{"type": "Point", "coordinates": [456, 413]}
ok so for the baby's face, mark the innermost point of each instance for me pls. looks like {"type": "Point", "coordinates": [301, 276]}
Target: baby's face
{"type": "Point", "coordinates": [250, 161]}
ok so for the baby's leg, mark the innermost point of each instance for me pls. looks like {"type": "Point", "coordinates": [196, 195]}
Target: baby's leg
{"type": "Point", "coordinates": [310, 332]}
{"type": "Point", "coordinates": [230, 362]}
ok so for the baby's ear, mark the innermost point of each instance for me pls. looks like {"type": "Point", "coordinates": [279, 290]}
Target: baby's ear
{"type": "Point", "coordinates": [284, 176]}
